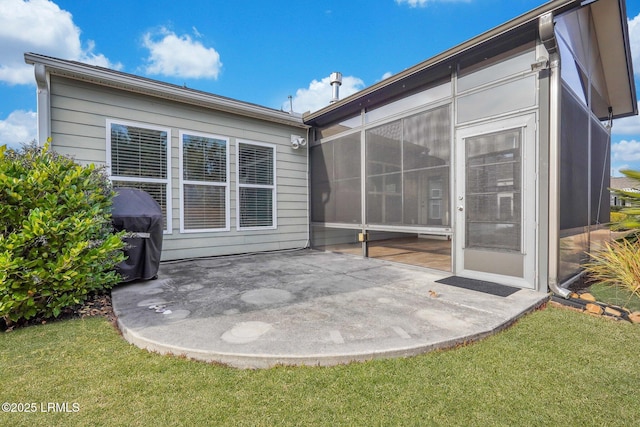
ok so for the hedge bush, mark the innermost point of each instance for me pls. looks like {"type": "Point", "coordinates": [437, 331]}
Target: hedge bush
{"type": "Point", "coordinates": [630, 219]}
{"type": "Point", "coordinates": [57, 244]}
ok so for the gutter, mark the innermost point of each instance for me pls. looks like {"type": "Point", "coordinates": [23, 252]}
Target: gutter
{"type": "Point", "coordinates": [548, 38]}
{"type": "Point", "coordinates": [129, 82]}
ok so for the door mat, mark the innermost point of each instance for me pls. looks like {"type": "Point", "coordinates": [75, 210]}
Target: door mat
{"type": "Point", "coordinates": [479, 285]}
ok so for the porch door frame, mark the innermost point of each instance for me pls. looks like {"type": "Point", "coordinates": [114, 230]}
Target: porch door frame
{"type": "Point", "coordinates": [513, 268]}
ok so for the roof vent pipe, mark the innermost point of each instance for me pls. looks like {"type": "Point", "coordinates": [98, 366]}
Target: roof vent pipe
{"type": "Point", "coordinates": [336, 81]}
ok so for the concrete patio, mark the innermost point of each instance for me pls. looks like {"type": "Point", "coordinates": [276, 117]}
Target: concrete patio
{"type": "Point", "coordinates": [306, 308]}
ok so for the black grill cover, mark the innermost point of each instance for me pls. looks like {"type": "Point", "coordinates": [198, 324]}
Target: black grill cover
{"type": "Point", "coordinates": [137, 212]}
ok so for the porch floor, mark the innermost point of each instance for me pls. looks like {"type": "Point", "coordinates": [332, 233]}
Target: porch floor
{"type": "Point", "coordinates": [306, 307]}
{"type": "Point", "coordinates": [421, 252]}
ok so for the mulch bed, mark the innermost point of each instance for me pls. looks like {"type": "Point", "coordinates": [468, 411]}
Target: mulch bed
{"type": "Point", "coordinates": [95, 305]}
{"type": "Point", "coordinates": [578, 302]}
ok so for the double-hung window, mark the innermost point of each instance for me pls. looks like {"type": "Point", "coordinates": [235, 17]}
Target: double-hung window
{"type": "Point", "coordinates": [204, 182]}
{"type": "Point", "coordinates": [138, 156]}
{"type": "Point", "coordinates": [256, 191]}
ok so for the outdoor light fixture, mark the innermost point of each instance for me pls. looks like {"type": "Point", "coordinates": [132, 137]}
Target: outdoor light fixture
{"type": "Point", "coordinates": [297, 141]}
{"type": "Point", "coordinates": [541, 63]}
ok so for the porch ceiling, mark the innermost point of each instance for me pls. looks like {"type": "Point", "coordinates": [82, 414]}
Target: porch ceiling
{"type": "Point", "coordinates": [610, 21]}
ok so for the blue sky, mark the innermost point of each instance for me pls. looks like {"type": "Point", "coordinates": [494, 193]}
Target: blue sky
{"type": "Point", "coordinates": [256, 51]}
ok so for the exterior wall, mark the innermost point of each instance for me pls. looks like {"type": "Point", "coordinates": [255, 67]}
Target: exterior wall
{"type": "Point", "coordinates": [79, 112]}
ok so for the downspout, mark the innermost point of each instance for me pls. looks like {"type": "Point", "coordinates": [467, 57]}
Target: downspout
{"type": "Point", "coordinates": [547, 36]}
{"type": "Point", "coordinates": [44, 103]}
{"type": "Point", "coordinates": [308, 244]}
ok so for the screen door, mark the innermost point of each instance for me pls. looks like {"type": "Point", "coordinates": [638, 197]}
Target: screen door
{"type": "Point", "coordinates": [496, 201]}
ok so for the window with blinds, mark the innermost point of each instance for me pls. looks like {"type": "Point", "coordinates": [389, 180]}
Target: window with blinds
{"type": "Point", "coordinates": [256, 185]}
{"type": "Point", "coordinates": [138, 157]}
{"type": "Point", "coordinates": [204, 182]}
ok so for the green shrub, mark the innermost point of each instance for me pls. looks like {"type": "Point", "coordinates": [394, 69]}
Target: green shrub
{"type": "Point", "coordinates": [617, 264]}
{"type": "Point", "coordinates": [617, 217]}
{"type": "Point", "coordinates": [57, 243]}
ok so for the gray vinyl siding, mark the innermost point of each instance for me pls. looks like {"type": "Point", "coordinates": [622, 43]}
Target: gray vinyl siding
{"type": "Point", "coordinates": [79, 111]}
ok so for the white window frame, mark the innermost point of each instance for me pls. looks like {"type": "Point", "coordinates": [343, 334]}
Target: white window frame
{"type": "Point", "coordinates": [167, 181]}
{"type": "Point", "coordinates": [273, 187]}
{"type": "Point", "coordinates": [184, 182]}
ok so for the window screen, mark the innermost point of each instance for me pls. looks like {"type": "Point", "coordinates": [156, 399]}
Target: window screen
{"type": "Point", "coordinates": [493, 191]}
{"type": "Point", "coordinates": [256, 185]}
{"type": "Point", "coordinates": [204, 182]}
{"type": "Point", "coordinates": [138, 158]}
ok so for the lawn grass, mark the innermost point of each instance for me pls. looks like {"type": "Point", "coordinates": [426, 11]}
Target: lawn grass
{"type": "Point", "coordinates": [615, 295]}
{"type": "Point", "coordinates": [553, 367]}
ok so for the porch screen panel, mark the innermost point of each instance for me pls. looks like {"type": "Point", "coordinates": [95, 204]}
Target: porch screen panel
{"type": "Point", "coordinates": [574, 185]}
{"type": "Point", "coordinates": [493, 191]}
{"type": "Point", "coordinates": [335, 181]}
{"type": "Point", "coordinates": [574, 163]}
{"type": "Point", "coordinates": [384, 174]}
{"type": "Point", "coordinates": [321, 165]}
{"type": "Point", "coordinates": [426, 146]}
{"type": "Point", "coordinates": [256, 185]}
{"type": "Point", "coordinates": [600, 174]}
{"type": "Point", "coordinates": [408, 165]}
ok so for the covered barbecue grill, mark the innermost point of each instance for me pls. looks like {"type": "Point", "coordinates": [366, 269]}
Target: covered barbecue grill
{"type": "Point", "coordinates": [138, 213]}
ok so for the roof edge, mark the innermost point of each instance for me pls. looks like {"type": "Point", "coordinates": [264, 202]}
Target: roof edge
{"type": "Point", "coordinates": [622, 4]}
{"type": "Point", "coordinates": [552, 6]}
{"type": "Point", "coordinates": [132, 83]}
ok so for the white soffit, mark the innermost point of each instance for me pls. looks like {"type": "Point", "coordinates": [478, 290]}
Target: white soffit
{"type": "Point", "coordinates": [611, 29]}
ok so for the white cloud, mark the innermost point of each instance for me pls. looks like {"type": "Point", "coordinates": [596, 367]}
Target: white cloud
{"type": "Point", "coordinates": [615, 169]}
{"type": "Point", "coordinates": [19, 128]}
{"type": "Point", "coordinates": [625, 155]}
{"type": "Point", "coordinates": [423, 3]}
{"type": "Point", "coordinates": [627, 126]}
{"type": "Point", "coordinates": [386, 75]}
{"type": "Point", "coordinates": [625, 151]}
{"type": "Point", "coordinates": [319, 93]}
{"type": "Point", "coordinates": [180, 56]}
{"type": "Point", "coordinates": [39, 26]}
